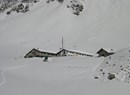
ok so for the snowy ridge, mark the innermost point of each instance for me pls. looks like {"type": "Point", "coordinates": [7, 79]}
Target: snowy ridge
{"type": "Point", "coordinates": [117, 64]}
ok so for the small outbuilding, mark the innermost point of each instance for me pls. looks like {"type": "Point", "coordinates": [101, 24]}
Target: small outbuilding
{"type": "Point", "coordinates": [104, 53]}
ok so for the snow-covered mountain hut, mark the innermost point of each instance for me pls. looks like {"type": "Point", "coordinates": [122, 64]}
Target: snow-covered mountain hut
{"type": "Point", "coordinates": [65, 52]}
{"type": "Point", "coordinates": [37, 53]}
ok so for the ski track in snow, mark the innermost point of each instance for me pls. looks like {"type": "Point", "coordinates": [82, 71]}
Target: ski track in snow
{"type": "Point", "coordinates": [2, 78]}
{"type": "Point", "coordinates": [2, 75]}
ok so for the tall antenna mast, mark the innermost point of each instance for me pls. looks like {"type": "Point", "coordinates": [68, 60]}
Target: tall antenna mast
{"type": "Point", "coordinates": [62, 43]}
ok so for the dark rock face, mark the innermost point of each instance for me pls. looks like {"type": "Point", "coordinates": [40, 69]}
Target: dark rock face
{"type": "Point", "coordinates": [60, 1]}
{"type": "Point", "coordinates": [5, 4]}
{"type": "Point", "coordinates": [48, 1]}
{"type": "Point", "coordinates": [76, 7]}
{"type": "Point", "coordinates": [16, 5]}
{"type": "Point", "coordinates": [23, 6]}
{"type": "Point", "coordinates": [111, 76]}
{"type": "Point", "coordinates": [19, 9]}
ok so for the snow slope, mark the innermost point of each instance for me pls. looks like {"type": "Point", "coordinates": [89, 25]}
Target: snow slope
{"type": "Point", "coordinates": [117, 64]}
{"type": "Point", "coordinates": [101, 24]}
{"type": "Point", "coordinates": [60, 76]}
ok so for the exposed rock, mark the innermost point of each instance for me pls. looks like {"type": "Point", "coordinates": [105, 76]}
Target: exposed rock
{"type": "Point", "coordinates": [60, 1]}
{"type": "Point", "coordinates": [16, 6]}
{"type": "Point", "coordinates": [76, 7]}
{"type": "Point", "coordinates": [111, 76]}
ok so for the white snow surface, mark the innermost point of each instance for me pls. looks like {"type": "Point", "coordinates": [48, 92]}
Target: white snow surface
{"type": "Point", "coordinates": [117, 64]}
{"type": "Point", "coordinates": [60, 76]}
{"type": "Point", "coordinates": [101, 24]}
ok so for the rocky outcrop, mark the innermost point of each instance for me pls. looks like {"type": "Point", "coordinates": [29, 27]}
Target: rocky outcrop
{"type": "Point", "coordinates": [76, 7]}
{"type": "Point", "coordinates": [60, 1]}
{"type": "Point", "coordinates": [16, 6]}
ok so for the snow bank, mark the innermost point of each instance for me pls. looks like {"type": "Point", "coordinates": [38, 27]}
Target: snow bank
{"type": "Point", "coordinates": [116, 66]}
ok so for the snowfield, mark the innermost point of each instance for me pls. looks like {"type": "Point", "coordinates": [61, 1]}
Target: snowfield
{"type": "Point", "coordinates": [100, 24]}
{"type": "Point", "coordinates": [60, 76]}
{"type": "Point", "coordinates": [117, 64]}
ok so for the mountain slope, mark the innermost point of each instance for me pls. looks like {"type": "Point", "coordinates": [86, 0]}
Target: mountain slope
{"type": "Point", "coordinates": [102, 23]}
{"type": "Point", "coordinates": [98, 24]}
{"type": "Point", "coordinates": [116, 66]}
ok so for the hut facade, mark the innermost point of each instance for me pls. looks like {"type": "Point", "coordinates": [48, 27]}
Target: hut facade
{"type": "Point", "coordinates": [64, 52]}
{"type": "Point", "coordinates": [37, 53]}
